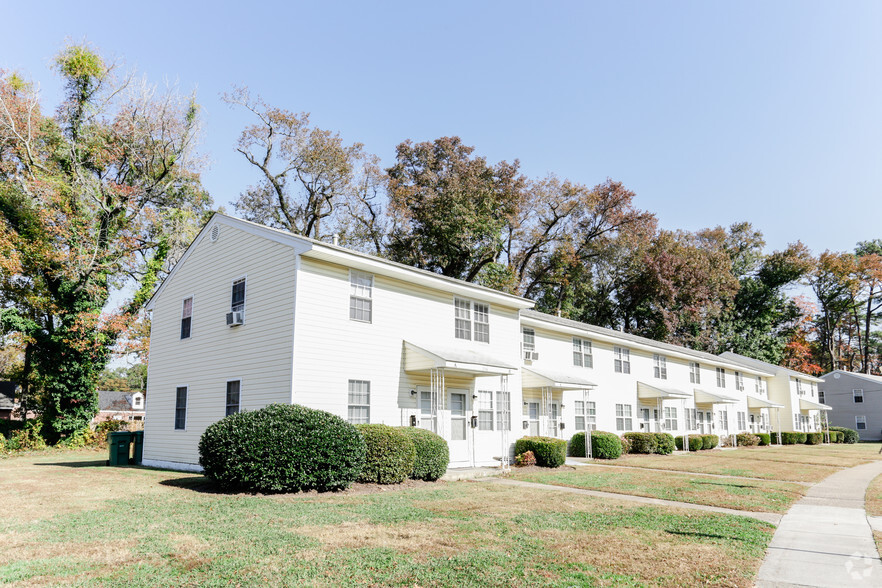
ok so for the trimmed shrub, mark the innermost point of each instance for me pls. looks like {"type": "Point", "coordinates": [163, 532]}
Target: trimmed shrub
{"type": "Point", "coordinates": [792, 438]}
{"type": "Point", "coordinates": [603, 445]}
{"type": "Point", "coordinates": [814, 438]}
{"type": "Point", "coordinates": [525, 459]}
{"type": "Point", "coordinates": [709, 441]}
{"type": "Point", "coordinates": [837, 437]}
{"type": "Point", "coordinates": [626, 444]}
{"type": "Point", "coordinates": [747, 440]}
{"type": "Point", "coordinates": [549, 452]}
{"type": "Point", "coordinates": [695, 443]}
{"type": "Point", "coordinates": [849, 435]}
{"type": "Point", "coordinates": [764, 439]}
{"type": "Point", "coordinates": [282, 448]}
{"type": "Point", "coordinates": [642, 442]}
{"type": "Point", "coordinates": [432, 454]}
{"type": "Point", "coordinates": [664, 443]}
{"type": "Point", "coordinates": [389, 457]}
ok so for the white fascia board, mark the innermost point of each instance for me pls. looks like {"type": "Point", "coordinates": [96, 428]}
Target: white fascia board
{"type": "Point", "coordinates": [548, 326]}
{"type": "Point", "coordinates": [411, 275]}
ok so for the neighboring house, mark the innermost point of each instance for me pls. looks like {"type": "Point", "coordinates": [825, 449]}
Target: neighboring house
{"type": "Point", "coordinates": [119, 406]}
{"type": "Point", "coordinates": [7, 399]}
{"type": "Point", "coordinates": [856, 401]}
{"type": "Point", "coordinates": [797, 393]}
{"type": "Point", "coordinates": [252, 316]}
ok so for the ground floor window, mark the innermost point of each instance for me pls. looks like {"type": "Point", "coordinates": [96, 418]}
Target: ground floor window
{"type": "Point", "coordinates": [581, 415]}
{"type": "Point", "coordinates": [670, 418]}
{"type": "Point", "coordinates": [359, 402]}
{"type": "Point", "coordinates": [233, 389]}
{"type": "Point", "coordinates": [181, 408]}
{"type": "Point", "coordinates": [723, 419]}
{"type": "Point", "coordinates": [860, 423]}
{"type": "Point", "coordinates": [503, 410]}
{"type": "Point", "coordinates": [624, 420]}
{"type": "Point", "coordinates": [485, 410]}
{"type": "Point", "coordinates": [742, 421]}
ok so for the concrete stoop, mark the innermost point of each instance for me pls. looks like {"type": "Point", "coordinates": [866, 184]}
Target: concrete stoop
{"type": "Point", "coordinates": [454, 474]}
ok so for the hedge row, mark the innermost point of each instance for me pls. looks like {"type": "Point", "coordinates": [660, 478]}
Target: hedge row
{"type": "Point", "coordinates": [549, 452]}
{"type": "Point", "coordinates": [849, 435]}
{"type": "Point", "coordinates": [660, 443]}
{"type": "Point", "coordinates": [290, 448]}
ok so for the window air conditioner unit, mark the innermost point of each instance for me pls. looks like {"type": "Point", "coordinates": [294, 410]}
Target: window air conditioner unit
{"type": "Point", "coordinates": [235, 318]}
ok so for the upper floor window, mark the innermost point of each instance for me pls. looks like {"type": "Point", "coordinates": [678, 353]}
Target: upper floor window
{"type": "Point", "coordinates": [622, 360]}
{"type": "Point", "coordinates": [858, 396]}
{"type": "Point", "coordinates": [739, 382]}
{"type": "Point", "coordinates": [529, 338]}
{"type": "Point", "coordinates": [472, 320]}
{"type": "Point", "coordinates": [186, 317]}
{"type": "Point", "coordinates": [721, 377]}
{"type": "Point", "coordinates": [233, 388]}
{"type": "Point", "coordinates": [137, 402]}
{"type": "Point", "coordinates": [359, 402]}
{"type": "Point", "coordinates": [799, 390]}
{"type": "Point", "coordinates": [760, 386]}
{"type": "Point", "coordinates": [238, 301]}
{"type": "Point", "coordinates": [821, 396]}
{"type": "Point", "coordinates": [582, 353]}
{"type": "Point", "coordinates": [694, 373]}
{"type": "Point", "coordinates": [361, 288]}
{"type": "Point", "coordinates": [660, 367]}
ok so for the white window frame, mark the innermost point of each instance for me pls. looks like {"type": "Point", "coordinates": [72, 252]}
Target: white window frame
{"type": "Point", "coordinates": [621, 360]}
{"type": "Point", "coordinates": [503, 410]}
{"type": "Point", "coordinates": [799, 390]}
{"type": "Point", "coordinates": [528, 333]}
{"type": "Point", "coordinates": [184, 300]}
{"type": "Point", "coordinates": [484, 410]}
{"type": "Point", "coordinates": [360, 293]}
{"type": "Point", "coordinates": [659, 366]}
{"type": "Point", "coordinates": [624, 418]}
{"type": "Point", "coordinates": [670, 416]}
{"type": "Point", "coordinates": [227, 397]}
{"type": "Point", "coordinates": [857, 395]}
{"type": "Point", "coordinates": [739, 381]}
{"type": "Point", "coordinates": [694, 372]}
{"type": "Point", "coordinates": [860, 420]}
{"type": "Point", "coordinates": [821, 396]}
{"type": "Point", "coordinates": [138, 401]}
{"type": "Point", "coordinates": [583, 353]}
{"type": "Point", "coordinates": [721, 377]}
{"type": "Point", "coordinates": [350, 404]}
{"type": "Point", "coordinates": [723, 419]}
{"type": "Point", "coordinates": [186, 408]}
{"type": "Point", "coordinates": [466, 325]}
{"type": "Point", "coordinates": [244, 280]}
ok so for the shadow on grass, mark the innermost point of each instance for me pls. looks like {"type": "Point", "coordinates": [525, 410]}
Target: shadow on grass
{"type": "Point", "coordinates": [199, 484]}
{"type": "Point", "coordinates": [703, 535]}
{"type": "Point", "coordinates": [94, 463]}
{"type": "Point", "coordinates": [724, 484]}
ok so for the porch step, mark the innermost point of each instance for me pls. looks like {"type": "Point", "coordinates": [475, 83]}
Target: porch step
{"type": "Point", "coordinates": [454, 474]}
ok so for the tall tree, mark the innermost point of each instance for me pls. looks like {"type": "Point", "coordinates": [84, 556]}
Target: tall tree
{"type": "Point", "coordinates": [87, 198]}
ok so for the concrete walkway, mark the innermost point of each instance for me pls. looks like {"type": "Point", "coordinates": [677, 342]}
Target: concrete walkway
{"type": "Point", "coordinates": [768, 517]}
{"type": "Point", "coordinates": [825, 538]}
{"type": "Point", "coordinates": [581, 461]}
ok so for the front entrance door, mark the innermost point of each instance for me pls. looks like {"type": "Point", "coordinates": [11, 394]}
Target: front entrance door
{"type": "Point", "coordinates": [709, 421]}
{"type": "Point", "coordinates": [752, 419]}
{"type": "Point", "coordinates": [644, 420]}
{"type": "Point", "coordinates": [699, 415]}
{"type": "Point", "coordinates": [533, 415]}
{"type": "Point", "coordinates": [459, 430]}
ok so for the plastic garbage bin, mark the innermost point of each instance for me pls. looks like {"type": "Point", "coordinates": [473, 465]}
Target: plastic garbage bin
{"type": "Point", "coordinates": [138, 447]}
{"type": "Point", "coordinates": [119, 442]}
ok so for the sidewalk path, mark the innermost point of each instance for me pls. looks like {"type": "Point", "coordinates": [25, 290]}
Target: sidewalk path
{"type": "Point", "coordinates": [768, 517]}
{"type": "Point", "coordinates": [825, 539]}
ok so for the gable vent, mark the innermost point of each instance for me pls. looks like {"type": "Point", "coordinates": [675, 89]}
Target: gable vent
{"type": "Point", "coordinates": [215, 233]}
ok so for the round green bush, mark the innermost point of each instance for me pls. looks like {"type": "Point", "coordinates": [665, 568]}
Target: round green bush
{"type": "Point", "coordinates": [642, 442]}
{"type": "Point", "coordinates": [576, 446]}
{"type": "Point", "coordinates": [695, 442]}
{"type": "Point", "coordinates": [764, 439]}
{"type": "Point", "coordinates": [282, 448]}
{"type": "Point", "coordinates": [814, 438]}
{"type": "Point", "coordinates": [603, 445]}
{"type": "Point", "coordinates": [432, 454]}
{"type": "Point", "coordinates": [664, 443]}
{"type": "Point", "coordinates": [389, 457]}
{"type": "Point", "coordinates": [709, 441]}
{"type": "Point", "coordinates": [549, 452]}
{"type": "Point", "coordinates": [849, 435]}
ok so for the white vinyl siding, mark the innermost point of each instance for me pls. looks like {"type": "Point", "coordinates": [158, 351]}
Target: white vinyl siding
{"type": "Point", "coordinates": [485, 410]}
{"type": "Point", "coordinates": [624, 420]}
{"type": "Point", "coordinates": [694, 373]}
{"type": "Point", "coordinates": [234, 388]}
{"type": "Point", "coordinates": [582, 353]}
{"type": "Point", "coordinates": [361, 288]}
{"type": "Point", "coordinates": [359, 410]}
{"type": "Point", "coordinates": [621, 360]}
{"type": "Point", "coordinates": [660, 367]}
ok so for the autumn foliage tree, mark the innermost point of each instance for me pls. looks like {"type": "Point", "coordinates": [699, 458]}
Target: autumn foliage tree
{"type": "Point", "coordinates": [90, 198]}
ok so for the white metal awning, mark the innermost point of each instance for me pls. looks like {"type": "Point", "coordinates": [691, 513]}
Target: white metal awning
{"type": "Point", "coordinates": [651, 391]}
{"type": "Point", "coordinates": [535, 378]}
{"type": "Point", "coordinates": [805, 404]}
{"type": "Point", "coordinates": [418, 358]}
{"type": "Point", "coordinates": [757, 402]}
{"type": "Point", "coordinates": [705, 397]}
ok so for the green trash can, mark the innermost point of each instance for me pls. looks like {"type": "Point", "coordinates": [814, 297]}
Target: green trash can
{"type": "Point", "coordinates": [138, 447]}
{"type": "Point", "coordinates": [119, 442]}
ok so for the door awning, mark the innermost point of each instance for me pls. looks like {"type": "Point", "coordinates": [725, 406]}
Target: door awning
{"type": "Point", "coordinates": [757, 402]}
{"type": "Point", "coordinates": [650, 391]}
{"type": "Point", "coordinates": [534, 378]}
{"type": "Point", "coordinates": [805, 404]}
{"type": "Point", "coordinates": [705, 397]}
{"type": "Point", "coordinates": [419, 358]}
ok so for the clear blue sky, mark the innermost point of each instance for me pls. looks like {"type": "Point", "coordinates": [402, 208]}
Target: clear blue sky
{"type": "Point", "coordinates": [711, 112]}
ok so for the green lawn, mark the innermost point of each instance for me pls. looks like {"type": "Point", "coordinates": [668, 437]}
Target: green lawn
{"type": "Point", "coordinates": [72, 521]}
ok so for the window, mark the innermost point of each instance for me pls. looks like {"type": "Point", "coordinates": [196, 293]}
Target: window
{"type": "Point", "coordinates": [739, 382]}
{"type": "Point", "coordinates": [622, 361]}
{"type": "Point", "coordinates": [181, 408]}
{"type": "Point", "coordinates": [721, 378]}
{"type": "Point", "coordinates": [690, 419]}
{"type": "Point", "coordinates": [582, 353]}
{"type": "Point", "coordinates": [694, 373]}
{"type": "Point", "coordinates": [796, 423]}
{"type": "Point", "coordinates": [485, 410]}
{"type": "Point", "coordinates": [137, 402]}
{"type": "Point", "coordinates": [670, 418]}
{"type": "Point", "coordinates": [186, 317]}
{"type": "Point", "coordinates": [724, 419]}
{"type": "Point", "coordinates": [799, 390]}
{"type": "Point", "coordinates": [238, 302]}
{"type": "Point", "coordinates": [359, 402]}
{"type": "Point", "coordinates": [623, 417]}
{"type": "Point", "coordinates": [821, 396]}
{"type": "Point", "coordinates": [858, 396]}
{"type": "Point", "coordinates": [233, 388]}
{"type": "Point", "coordinates": [581, 416]}
{"type": "Point", "coordinates": [463, 320]}
{"type": "Point", "coordinates": [860, 423]}
{"type": "Point", "coordinates": [660, 367]}
{"type": "Point", "coordinates": [529, 338]}
{"type": "Point", "coordinates": [760, 386]}
{"type": "Point", "coordinates": [503, 410]}
{"type": "Point", "coordinates": [426, 420]}
{"type": "Point", "coordinates": [361, 287]}
{"type": "Point", "coordinates": [742, 421]}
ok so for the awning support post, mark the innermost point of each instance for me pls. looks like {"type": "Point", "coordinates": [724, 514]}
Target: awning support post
{"type": "Point", "coordinates": [588, 448]}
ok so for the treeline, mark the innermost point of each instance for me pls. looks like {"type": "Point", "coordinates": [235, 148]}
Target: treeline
{"type": "Point", "coordinates": [105, 192]}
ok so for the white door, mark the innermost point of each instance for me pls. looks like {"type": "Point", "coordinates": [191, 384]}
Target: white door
{"type": "Point", "coordinates": [752, 421]}
{"type": "Point", "coordinates": [709, 421]}
{"type": "Point", "coordinates": [644, 421]}
{"type": "Point", "coordinates": [533, 414]}
{"type": "Point", "coordinates": [459, 430]}
{"type": "Point", "coordinates": [553, 425]}
{"type": "Point", "coordinates": [700, 417]}
{"type": "Point", "coordinates": [426, 420]}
